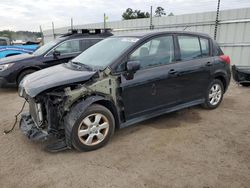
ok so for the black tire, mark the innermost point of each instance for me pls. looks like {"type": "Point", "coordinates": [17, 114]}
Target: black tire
{"type": "Point", "coordinates": [23, 74]}
{"type": "Point", "coordinates": [245, 84]}
{"type": "Point", "coordinates": [93, 109]}
{"type": "Point", "coordinates": [207, 104]}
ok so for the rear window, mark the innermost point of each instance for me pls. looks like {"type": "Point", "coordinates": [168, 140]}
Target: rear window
{"type": "Point", "coordinates": [189, 47]}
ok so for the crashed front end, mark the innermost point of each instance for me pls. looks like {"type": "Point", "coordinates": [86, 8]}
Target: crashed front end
{"type": "Point", "coordinates": [48, 109]}
{"type": "Point", "coordinates": [45, 116]}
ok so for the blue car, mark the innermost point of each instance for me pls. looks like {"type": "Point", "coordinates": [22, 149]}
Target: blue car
{"type": "Point", "coordinates": [6, 51]}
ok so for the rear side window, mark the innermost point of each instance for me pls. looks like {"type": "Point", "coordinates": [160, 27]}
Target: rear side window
{"type": "Point", "coordinates": [204, 46]}
{"type": "Point", "coordinates": [217, 49]}
{"type": "Point", "coordinates": [189, 47]}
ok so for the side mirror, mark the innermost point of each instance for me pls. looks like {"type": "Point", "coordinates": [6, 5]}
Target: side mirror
{"type": "Point", "coordinates": [56, 54]}
{"type": "Point", "coordinates": [131, 68]}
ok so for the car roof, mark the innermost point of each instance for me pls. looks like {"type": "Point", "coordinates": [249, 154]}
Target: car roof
{"type": "Point", "coordinates": [154, 33]}
{"type": "Point", "coordinates": [84, 35]}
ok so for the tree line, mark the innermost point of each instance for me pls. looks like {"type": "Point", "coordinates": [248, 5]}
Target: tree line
{"type": "Point", "coordinates": [20, 35]}
{"type": "Point", "coordinates": [135, 14]}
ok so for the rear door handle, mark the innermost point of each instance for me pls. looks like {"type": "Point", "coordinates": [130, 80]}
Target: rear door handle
{"type": "Point", "coordinates": [209, 64]}
{"type": "Point", "coordinates": [172, 71]}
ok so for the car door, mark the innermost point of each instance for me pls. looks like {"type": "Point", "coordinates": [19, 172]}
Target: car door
{"type": "Point", "coordinates": [193, 67]}
{"type": "Point", "coordinates": [66, 51]}
{"type": "Point", "coordinates": [152, 87]}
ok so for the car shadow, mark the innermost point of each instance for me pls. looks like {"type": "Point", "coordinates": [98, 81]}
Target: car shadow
{"type": "Point", "coordinates": [166, 121]}
{"type": "Point", "coordinates": [8, 90]}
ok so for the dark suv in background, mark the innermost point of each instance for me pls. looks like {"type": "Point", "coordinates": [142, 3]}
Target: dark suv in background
{"type": "Point", "coordinates": [120, 81]}
{"type": "Point", "coordinates": [14, 69]}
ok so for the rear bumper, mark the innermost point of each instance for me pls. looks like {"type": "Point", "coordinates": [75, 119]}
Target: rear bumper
{"type": "Point", "coordinates": [29, 128]}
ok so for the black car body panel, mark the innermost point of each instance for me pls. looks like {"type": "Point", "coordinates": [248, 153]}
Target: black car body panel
{"type": "Point", "coordinates": [150, 91]}
{"type": "Point", "coordinates": [18, 58]}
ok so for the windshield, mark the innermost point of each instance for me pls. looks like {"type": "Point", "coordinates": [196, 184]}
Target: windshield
{"type": "Point", "coordinates": [105, 52]}
{"type": "Point", "coordinates": [45, 47]}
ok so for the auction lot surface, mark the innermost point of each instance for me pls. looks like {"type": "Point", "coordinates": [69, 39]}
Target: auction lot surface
{"type": "Point", "coordinates": [189, 148]}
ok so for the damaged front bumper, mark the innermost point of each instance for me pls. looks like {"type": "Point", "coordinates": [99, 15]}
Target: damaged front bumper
{"type": "Point", "coordinates": [29, 128]}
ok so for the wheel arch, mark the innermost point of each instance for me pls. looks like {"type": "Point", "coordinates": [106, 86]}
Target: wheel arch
{"type": "Point", "coordinates": [80, 106]}
{"type": "Point", "coordinates": [25, 69]}
{"type": "Point", "coordinates": [222, 77]}
{"type": "Point", "coordinates": [111, 106]}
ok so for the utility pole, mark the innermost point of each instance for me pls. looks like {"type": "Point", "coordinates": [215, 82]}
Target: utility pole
{"type": "Point", "coordinates": [104, 21]}
{"type": "Point", "coordinates": [53, 30]}
{"type": "Point", "coordinates": [71, 24]}
{"type": "Point", "coordinates": [216, 20]}
{"type": "Point", "coordinates": [41, 31]}
{"type": "Point", "coordinates": [151, 26]}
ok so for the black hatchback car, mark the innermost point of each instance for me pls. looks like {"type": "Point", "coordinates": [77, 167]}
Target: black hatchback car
{"type": "Point", "coordinates": [13, 69]}
{"type": "Point", "coordinates": [120, 81]}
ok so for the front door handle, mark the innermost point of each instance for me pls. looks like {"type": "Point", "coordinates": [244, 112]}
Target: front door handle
{"type": "Point", "coordinates": [153, 92]}
{"type": "Point", "coordinates": [172, 71]}
{"type": "Point", "coordinates": [209, 64]}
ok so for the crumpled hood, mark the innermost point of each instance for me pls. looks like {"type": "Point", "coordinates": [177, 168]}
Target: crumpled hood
{"type": "Point", "coordinates": [15, 58]}
{"type": "Point", "coordinates": [55, 76]}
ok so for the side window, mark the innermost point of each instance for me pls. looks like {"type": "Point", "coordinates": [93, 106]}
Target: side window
{"type": "Point", "coordinates": [86, 43]}
{"type": "Point", "coordinates": [68, 47]}
{"type": "Point", "coordinates": [189, 47]}
{"type": "Point", "coordinates": [158, 51]}
{"type": "Point", "coordinates": [216, 49]}
{"type": "Point", "coordinates": [204, 46]}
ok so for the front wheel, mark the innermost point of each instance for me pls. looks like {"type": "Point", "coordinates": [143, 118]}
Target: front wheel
{"type": "Point", "coordinates": [93, 129]}
{"type": "Point", "coordinates": [214, 94]}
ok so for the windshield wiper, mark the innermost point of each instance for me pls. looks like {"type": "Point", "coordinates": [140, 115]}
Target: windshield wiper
{"type": "Point", "coordinates": [82, 65]}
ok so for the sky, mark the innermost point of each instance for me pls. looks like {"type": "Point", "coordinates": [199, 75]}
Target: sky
{"type": "Point", "coordinates": [30, 14]}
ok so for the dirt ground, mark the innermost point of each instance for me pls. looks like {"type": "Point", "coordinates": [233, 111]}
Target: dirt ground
{"type": "Point", "coordinates": [189, 148]}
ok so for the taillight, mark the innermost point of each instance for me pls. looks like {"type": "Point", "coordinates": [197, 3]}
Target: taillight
{"type": "Point", "coordinates": [225, 58]}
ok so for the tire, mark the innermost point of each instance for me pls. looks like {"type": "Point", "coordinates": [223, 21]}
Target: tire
{"type": "Point", "coordinates": [245, 84]}
{"type": "Point", "coordinates": [214, 94]}
{"type": "Point", "coordinates": [23, 74]}
{"type": "Point", "coordinates": [90, 134]}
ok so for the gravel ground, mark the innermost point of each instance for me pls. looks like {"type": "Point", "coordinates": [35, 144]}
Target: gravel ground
{"type": "Point", "coordinates": [189, 148]}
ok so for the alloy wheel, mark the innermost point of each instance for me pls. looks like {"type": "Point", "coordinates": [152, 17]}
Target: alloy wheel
{"type": "Point", "coordinates": [215, 94]}
{"type": "Point", "coordinates": [93, 129]}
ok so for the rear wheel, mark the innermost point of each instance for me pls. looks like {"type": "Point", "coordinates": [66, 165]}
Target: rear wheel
{"type": "Point", "coordinates": [93, 129]}
{"type": "Point", "coordinates": [214, 94]}
{"type": "Point", "coordinates": [23, 74]}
